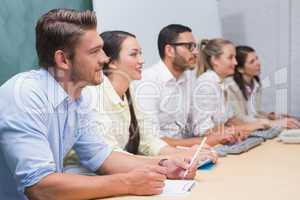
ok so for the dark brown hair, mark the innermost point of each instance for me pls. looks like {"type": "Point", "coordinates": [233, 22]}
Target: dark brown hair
{"type": "Point", "coordinates": [169, 34]}
{"type": "Point", "coordinates": [61, 29]}
{"type": "Point", "coordinates": [112, 46]}
{"type": "Point", "coordinates": [241, 57]}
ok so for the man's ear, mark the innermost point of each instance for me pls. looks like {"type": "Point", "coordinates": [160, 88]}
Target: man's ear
{"type": "Point", "coordinates": [169, 51]}
{"type": "Point", "coordinates": [61, 60]}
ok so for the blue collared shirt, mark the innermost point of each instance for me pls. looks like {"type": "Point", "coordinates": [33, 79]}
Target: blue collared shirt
{"type": "Point", "coordinates": [39, 124]}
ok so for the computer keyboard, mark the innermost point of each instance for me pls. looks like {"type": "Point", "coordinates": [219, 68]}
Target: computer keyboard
{"type": "Point", "coordinates": [268, 133]}
{"type": "Point", "coordinates": [255, 139]}
{"type": "Point", "coordinates": [239, 147]}
{"type": "Point", "coordinates": [220, 150]}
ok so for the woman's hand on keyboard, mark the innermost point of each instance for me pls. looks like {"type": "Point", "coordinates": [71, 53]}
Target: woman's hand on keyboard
{"type": "Point", "coordinates": [289, 123]}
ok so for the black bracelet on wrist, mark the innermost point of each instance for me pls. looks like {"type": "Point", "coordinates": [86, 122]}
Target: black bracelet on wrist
{"type": "Point", "coordinates": [161, 162]}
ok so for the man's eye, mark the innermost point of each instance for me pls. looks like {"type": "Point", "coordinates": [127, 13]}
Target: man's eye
{"type": "Point", "coordinates": [133, 54]}
{"type": "Point", "coordinates": [96, 51]}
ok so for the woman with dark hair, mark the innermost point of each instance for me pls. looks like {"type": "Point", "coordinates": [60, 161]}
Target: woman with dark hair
{"type": "Point", "coordinates": [245, 90]}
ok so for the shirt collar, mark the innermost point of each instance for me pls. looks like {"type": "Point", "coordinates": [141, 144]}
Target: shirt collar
{"type": "Point", "coordinates": [167, 76]}
{"type": "Point", "coordinates": [111, 93]}
{"type": "Point", "coordinates": [256, 84]}
{"type": "Point", "coordinates": [56, 94]}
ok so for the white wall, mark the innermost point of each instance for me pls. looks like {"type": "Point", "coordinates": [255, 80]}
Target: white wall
{"type": "Point", "coordinates": [146, 18]}
{"type": "Point", "coordinates": [266, 25]}
{"type": "Point", "coordinates": [295, 56]}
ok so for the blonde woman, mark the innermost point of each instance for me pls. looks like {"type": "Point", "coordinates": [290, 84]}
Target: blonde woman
{"type": "Point", "coordinates": [211, 113]}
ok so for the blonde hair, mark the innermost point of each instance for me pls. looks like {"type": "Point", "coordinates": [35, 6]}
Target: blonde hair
{"type": "Point", "coordinates": [208, 49]}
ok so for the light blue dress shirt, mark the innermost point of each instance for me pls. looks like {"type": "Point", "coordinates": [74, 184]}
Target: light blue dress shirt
{"type": "Point", "coordinates": [39, 124]}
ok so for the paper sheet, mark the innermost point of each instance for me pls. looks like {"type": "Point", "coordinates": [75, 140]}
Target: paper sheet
{"type": "Point", "coordinates": [177, 187]}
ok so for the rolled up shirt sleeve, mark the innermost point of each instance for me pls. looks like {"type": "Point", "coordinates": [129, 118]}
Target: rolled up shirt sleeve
{"type": "Point", "coordinates": [90, 147]}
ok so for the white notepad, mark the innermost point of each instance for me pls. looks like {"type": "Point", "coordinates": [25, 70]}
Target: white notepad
{"type": "Point", "coordinates": [177, 187]}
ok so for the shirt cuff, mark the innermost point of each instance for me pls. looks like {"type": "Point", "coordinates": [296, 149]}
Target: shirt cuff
{"type": "Point", "coordinates": [201, 130]}
{"type": "Point", "coordinates": [94, 163]}
{"type": "Point", "coordinates": [36, 177]}
{"type": "Point", "coordinates": [151, 147]}
{"type": "Point", "coordinates": [156, 146]}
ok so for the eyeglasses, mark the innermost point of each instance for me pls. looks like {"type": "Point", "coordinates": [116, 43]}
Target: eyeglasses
{"type": "Point", "coordinates": [191, 46]}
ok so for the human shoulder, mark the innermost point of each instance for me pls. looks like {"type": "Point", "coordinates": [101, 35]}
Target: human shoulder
{"type": "Point", "coordinates": [207, 78]}
{"type": "Point", "coordinates": [231, 83]}
{"type": "Point", "coordinates": [229, 80]}
{"type": "Point", "coordinates": [96, 96]}
{"type": "Point", "coordinates": [152, 72]}
{"type": "Point", "coordinates": [26, 102]}
{"type": "Point", "coordinates": [26, 90]}
{"type": "Point", "coordinates": [208, 75]}
{"type": "Point", "coordinates": [151, 81]}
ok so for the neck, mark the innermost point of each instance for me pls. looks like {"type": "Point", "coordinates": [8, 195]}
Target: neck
{"type": "Point", "coordinates": [173, 69]}
{"type": "Point", "coordinates": [71, 87]}
{"type": "Point", "coordinates": [120, 83]}
{"type": "Point", "coordinates": [221, 76]}
{"type": "Point", "coordinates": [247, 79]}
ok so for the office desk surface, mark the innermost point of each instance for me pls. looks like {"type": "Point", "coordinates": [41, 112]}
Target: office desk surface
{"type": "Point", "coordinates": [269, 171]}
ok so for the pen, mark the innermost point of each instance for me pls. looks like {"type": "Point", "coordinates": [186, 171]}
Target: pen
{"type": "Point", "coordinates": [194, 157]}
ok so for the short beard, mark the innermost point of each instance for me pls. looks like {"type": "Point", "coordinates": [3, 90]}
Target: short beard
{"type": "Point", "coordinates": [76, 76]}
{"type": "Point", "coordinates": [180, 64]}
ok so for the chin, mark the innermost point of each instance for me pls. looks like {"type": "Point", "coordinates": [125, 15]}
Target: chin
{"type": "Point", "coordinates": [230, 74]}
{"type": "Point", "coordinates": [192, 65]}
{"type": "Point", "coordinates": [137, 78]}
{"type": "Point", "coordinates": [96, 82]}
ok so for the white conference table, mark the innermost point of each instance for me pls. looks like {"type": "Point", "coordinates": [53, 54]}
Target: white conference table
{"type": "Point", "coordinates": [269, 171]}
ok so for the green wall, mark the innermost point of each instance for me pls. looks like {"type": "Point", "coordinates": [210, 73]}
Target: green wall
{"type": "Point", "coordinates": [17, 31]}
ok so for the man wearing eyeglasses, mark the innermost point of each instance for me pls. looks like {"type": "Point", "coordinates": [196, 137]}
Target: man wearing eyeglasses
{"type": "Point", "coordinates": [164, 93]}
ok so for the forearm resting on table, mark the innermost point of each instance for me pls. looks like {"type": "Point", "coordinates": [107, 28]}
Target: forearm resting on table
{"type": "Point", "coordinates": [239, 125]}
{"type": "Point", "coordinates": [173, 152]}
{"type": "Point", "coordinates": [71, 186]}
{"type": "Point", "coordinates": [234, 121]}
{"type": "Point", "coordinates": [186, 142]}
{"type": "Point", "coordinates": [214, 135]}
{"type": "Point", "coordinates": [168, 149]}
